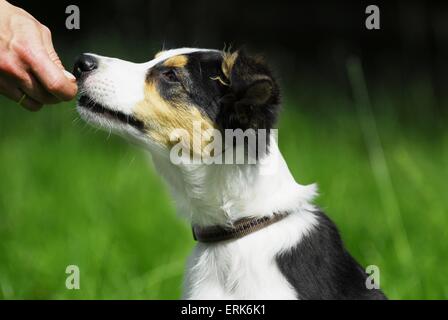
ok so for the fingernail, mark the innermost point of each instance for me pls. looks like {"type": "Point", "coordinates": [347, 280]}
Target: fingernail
{"type": "Point", "coordinates": [69, 75]}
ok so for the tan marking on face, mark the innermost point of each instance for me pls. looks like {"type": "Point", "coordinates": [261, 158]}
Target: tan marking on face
{"type": "Point", "coordinates": [162, 117]}
{"type": "Point", "coordinates": [179, 61]}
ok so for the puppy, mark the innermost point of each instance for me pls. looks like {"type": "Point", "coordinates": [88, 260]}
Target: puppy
{"type": "Point", "coordinates": [259, 235]}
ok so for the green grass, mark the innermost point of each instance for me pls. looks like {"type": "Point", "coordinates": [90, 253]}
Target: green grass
{"type": "Point", "coordinates": [70, 194]}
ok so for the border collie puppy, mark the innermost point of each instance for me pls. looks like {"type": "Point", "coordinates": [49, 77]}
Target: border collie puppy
{"type": "Point", "coordinates": [259, 235]}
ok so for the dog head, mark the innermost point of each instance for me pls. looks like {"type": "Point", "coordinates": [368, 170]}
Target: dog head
{"type": "Point", "coordinates": [176, 89]}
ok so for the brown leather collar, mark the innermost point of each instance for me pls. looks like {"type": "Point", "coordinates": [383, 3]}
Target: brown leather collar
{"type": "Point", "coordinates": [240, 228]}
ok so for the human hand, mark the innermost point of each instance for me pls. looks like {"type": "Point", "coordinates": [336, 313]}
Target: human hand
{"type": "Point", "coordinates": [29, 64]}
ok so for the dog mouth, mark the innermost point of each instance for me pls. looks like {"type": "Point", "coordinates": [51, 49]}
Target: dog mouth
{"type": "Point", "coordinates": [99, 109]}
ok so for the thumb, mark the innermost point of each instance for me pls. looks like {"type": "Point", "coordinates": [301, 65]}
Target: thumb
{"type": "Point", "coordinates": [50, 71]}
{"type": "Point", "coordinates": [57, 61]}
{"type": "Point", "coordinates": [48, 44]}
{"type": "Point", "coordinates": [55, 80]}
{"type": "Point", "coordinates": [54, 57]}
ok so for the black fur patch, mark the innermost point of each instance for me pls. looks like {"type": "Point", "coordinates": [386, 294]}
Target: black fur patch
{"type": "Point", "coordinates": [204, 92]}
{"type": "Point", "coordinates": [250, 99]}
{"type": "Point", "coordinates": [319, 267]}
{"type": "Point", "coordinates": [253, 98]}
{"type": "Point", "coordinates": [251, 103]}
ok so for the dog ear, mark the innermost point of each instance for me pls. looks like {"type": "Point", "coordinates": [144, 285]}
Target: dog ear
{"type": "Point", "coordinates": [252, 99]}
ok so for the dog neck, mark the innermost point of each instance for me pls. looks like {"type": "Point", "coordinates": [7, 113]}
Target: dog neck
{"type": "Point", "coordinates": [220, 194]}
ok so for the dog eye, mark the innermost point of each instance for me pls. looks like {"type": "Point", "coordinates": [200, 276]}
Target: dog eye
{"type": "Point", "coordinates": [170, 76]}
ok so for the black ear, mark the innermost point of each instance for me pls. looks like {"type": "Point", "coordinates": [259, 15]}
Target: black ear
{"type": "Point", "coordinates": [252, 100]}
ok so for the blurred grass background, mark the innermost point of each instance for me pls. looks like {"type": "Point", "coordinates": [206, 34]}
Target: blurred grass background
{"type": "Point", "coordinates": [70, 194]}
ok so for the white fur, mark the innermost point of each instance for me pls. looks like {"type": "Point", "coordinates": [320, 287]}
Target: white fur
{"type": "Point", "coordinates": [246, 268]}
{"type": "Point", "coordinates": [222, 194]}
{"type": "Point", "coordinates": [119, 84]}
{"type": "Point", "coordinates": [217, 195]}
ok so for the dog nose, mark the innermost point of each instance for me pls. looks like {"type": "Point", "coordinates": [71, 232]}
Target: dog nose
{"type": "Point", "coordinates": [83, 64]}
